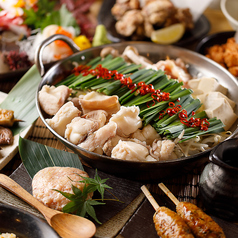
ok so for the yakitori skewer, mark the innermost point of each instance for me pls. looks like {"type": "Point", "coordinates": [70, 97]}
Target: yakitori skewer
{"type": "Point", "coordinates": [202, 225]}
{"type": "Point", "coordinates": [168, 224]}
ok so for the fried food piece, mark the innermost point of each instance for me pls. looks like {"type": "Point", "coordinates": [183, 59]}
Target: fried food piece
{"type": "Point", "coordinates": [202, 225]}
{"type": "Point", "coordinates": [6, 117]}
{"type": "Point", "coordinates": [169, 224]}
{"type": "Point", "coordinates": [6, 136]}
{"type": "Point", "coordinates": [130, 21]}
{"type": "Point", "coordinates": [225, 55]}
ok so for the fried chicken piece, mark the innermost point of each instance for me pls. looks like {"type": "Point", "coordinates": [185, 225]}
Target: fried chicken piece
{"type": "Point", "coordinates": [181, 15]}
{"type": "Point", "coordinates": [157, 11]}
{"type": "Point", "coordinates": [216, 53]}
{"type": "Point", "coordinates": [234, 70]}
{"type": "Point", "coordinates": [122, 6]}
{"type": "Point", "coordinates": [129, 22]}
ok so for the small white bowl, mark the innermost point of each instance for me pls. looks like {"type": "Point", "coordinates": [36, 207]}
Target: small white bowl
{"type": "Point", "coordinates": [230, 11]}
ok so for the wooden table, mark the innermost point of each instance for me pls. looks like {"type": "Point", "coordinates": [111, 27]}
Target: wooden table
{"type": "Point", "coordinates": [138, 210]}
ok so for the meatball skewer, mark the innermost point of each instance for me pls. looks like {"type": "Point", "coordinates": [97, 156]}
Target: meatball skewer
{"type": "Point", "coordinates": [201, 224]}
{"type": "Point", "coordinates": [168, 224]}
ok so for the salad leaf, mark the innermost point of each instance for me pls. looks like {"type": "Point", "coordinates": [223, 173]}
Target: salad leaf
{"type": "Point", "coordinates": [46, 15]}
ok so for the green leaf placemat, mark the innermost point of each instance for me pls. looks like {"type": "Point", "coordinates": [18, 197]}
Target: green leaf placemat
{"type": "Point", "coordinates": [36, 156]}
{"type": "Point", "coordinates": [21, 99]}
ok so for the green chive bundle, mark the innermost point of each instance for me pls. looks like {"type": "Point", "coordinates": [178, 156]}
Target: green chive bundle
{"type": "Point", "coordinates": [150, 110]}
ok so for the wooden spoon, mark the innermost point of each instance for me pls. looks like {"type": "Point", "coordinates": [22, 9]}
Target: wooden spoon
{"type": "Point", "coordinates": [66, 225]}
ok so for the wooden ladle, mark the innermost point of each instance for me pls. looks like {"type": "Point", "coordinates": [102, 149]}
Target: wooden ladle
{"type": "Point", "coordinates": [66, 225]}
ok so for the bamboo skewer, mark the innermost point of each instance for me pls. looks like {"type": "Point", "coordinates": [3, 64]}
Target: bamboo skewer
{"type": "Point", "coordinates": [150, 197]}
{"type": "Point", "coordinates": [168, 193]}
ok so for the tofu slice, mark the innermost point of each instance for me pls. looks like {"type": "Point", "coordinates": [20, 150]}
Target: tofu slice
{"type": "Point", "coordinates": [222, 110]}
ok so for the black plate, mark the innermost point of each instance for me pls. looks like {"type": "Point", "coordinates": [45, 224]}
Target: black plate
{"type": "Point", "coordinates": [23, 224]}
{"type": "Point", "coordinates": [201, 28]}
{"type": "Point", "coordinates": [214, 39]}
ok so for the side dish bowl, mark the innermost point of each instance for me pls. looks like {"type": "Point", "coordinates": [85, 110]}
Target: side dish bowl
{"type": "Point", "coordinates": [198, 65]}
{"type": "Point", "coordinates": [23, 224]}
{"type": "Point", "coordinates": [214, 39]}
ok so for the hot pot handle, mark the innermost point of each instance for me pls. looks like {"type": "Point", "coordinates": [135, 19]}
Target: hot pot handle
{"type": "Point", "coordinates": [49, 40]}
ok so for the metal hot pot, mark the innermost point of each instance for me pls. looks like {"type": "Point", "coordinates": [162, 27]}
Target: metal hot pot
{"type": "Point", "coordinates": [197, 64]}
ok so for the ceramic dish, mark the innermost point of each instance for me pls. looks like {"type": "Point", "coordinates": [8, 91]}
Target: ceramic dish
{"type": "Point", "coordinates": [202, 26]}
{"type": "Point", "coordinates": [8, 151]}
{"type": "Point", "coordinates": [23, 224]}
{"type": "Point", "coordinates": [198, 65]}
{"type": "Point", "coordinates": [214, 39]}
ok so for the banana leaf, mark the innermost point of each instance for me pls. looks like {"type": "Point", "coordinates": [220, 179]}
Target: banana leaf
{"type": "Point", "coordinates": [36, 156]}
{"type": "Point", "coordinates": [21, 99]}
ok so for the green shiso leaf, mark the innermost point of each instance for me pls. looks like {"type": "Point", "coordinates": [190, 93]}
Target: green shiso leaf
{"type": "Point", "coordinates": [21, 99]}
{"type": "Point", "coordinates": [36, 156]}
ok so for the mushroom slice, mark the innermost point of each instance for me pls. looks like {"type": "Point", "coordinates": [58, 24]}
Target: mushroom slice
{"type": "Point", "coordinates": [129, 150]}
{"type": "Point", "coordinates": [63, 117]}
{"type": "Point", "coordinates": [6, 136]}
{"type": "Point", "coordinates": [52, 98]}
{"type": "Point", "coordinates": [99, 137]}
{"type": "Point", "coordinates": [97, 101]}
{"type": "Point", "coordinates": [127, 120]}
{"type": "Point", "coordinates": [79, 128]}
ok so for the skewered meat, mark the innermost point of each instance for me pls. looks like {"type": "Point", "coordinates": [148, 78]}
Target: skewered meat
{"type": "Point", "coordinates": [63, 117]}
{"type": "Point", "coordinates": [202, 225]}
{"type": "Point", "coordinates": [52, 99]}
{"type": "Point", "coordinates": [6, 136]}
{"type": "Point", "coordinates": [6, 117]}
{"type": "Point", "coordinates": [127, 120]}
{"type": "Point", "coordinates": [169, 224]}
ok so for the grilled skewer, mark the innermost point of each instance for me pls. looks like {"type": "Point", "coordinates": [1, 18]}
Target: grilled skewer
{"type": "Point", "coordinates": [168, 224]}
{"type": "Point", "coordinates": [202, 225]}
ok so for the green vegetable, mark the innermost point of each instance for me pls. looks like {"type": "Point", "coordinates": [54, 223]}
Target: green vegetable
{"type": "Point", "coordinates": [100, 36]}
{"type": "Point", "coordinates": [46, 15]}
{"type": "Point", "coordinates": [79, 204]}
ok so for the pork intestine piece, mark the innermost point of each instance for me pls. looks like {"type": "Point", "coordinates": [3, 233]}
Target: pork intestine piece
{"type": "Point", "coordinates": [162, 149]}
{"type": "Point", "coordinates": [99, 137]}
{"type": "Point", "coordinates": [127, 120]}
{"type": "Point", "coordinates": [79, 128]}
{"type": "Point", "coordinates": [129, 150]}
{"type": "Point", "coordinates": [97, 101]}
{"type": "Point", "coordinates": [111, 143]}
{"type": "Point", "coordinates": [99, 116]}
{"type": "Point", "coordinates": [63, 117]}
{"type": "Point", "coordinates": [52, 98]}
{"type": "Point", "coordinates": [147, 134]}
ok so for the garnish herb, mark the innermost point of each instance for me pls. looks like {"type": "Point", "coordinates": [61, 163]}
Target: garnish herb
{"type": "Point", "coordinates": [79, 204]}
{"type": "Point", "coordinates": [44, 15]}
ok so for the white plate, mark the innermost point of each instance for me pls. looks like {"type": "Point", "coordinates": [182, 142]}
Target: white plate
{"type": "Point", "coordinates": [9, 151]}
